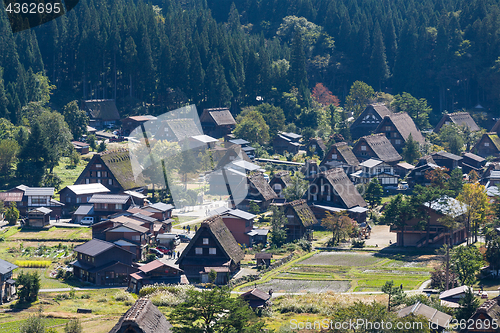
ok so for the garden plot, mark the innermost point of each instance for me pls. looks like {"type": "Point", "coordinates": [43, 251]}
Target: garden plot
{"type": "Point", "coordinates": [341, 259]}
{"type": "Point", "coordinates": [298, 286]}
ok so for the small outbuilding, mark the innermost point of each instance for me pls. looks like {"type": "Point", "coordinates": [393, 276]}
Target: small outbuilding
{"type": "Point", "coordinates": [38, 217]}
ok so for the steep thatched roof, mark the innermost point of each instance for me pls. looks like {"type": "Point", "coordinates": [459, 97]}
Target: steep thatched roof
{"type": "Point", "coordinates": [284, 176]}
{"type": "Point", "coordinates": [381, 146]}
{"type": "Point", "coordinates": [118, 162]}
{"type": "Point", "coordinates": [345, 152]}
{"type": "Point", "coordinates": [183, 128]}
{"type": "Point", "coordinates": [258, 181]}
{"type": "Point", "coordinates": [303, 212]}
{"type": "Point", "coordinates": [215, 226]}
{"type": "Point", "coordinates": [232, 154]}
{"type": "Point", "coordinates": [221, 116]}
{"type": "Point", "coordinates": [343, 187]}
{"type": "Point", "coordinates": [142, 317]}
{"type": "Point", "coordinates": [458, 118]}
{"type": "Point", "coordinates": [404, 125]}
{"type": "Point", "coordinates": [104, 109]}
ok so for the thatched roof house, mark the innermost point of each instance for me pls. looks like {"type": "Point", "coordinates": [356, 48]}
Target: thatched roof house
{"type": "Point", "coordinates": [142, 317]}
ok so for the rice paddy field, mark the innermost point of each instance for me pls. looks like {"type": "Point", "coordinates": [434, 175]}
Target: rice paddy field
{"type": "Point", "coordinates": [349, 272]}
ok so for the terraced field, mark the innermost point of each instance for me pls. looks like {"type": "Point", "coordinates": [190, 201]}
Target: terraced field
{"type": "Point", "coordinates": [348, 271]}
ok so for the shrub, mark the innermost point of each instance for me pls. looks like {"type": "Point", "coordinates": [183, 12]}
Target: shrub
{"type": "Point", "coordinates": [60, 273]}
{"type": "Point", "coordinates": [358, 243]}
{"type": "Point", "coordinates": [102, 299]}
{"type": "Point", "coordinates": [305, 244]}
{"type": "Point", "coordinates": [34, 324]}
{"type": "Point", "coordinates": [73, 326]}
{"type": "Point", "coordinates": [123, 296]}
{"type": "Point", "coordinates": [85, 296]}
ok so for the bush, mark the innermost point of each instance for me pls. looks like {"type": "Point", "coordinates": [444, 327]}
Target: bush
{"type": "Point", "coordinates": [34, 324]}
{"type": "Point", "coordinates": [304, 244]}
{"type": "Point", "coordinates": [85, 296]}
{"type": "Point", "coordinates": [73, 326]}
{"type": "Point", "coordinates": [123, 296]}
{"type": "Point", "coordinates": [60, 273]}
{"type": "Point", "coordinates": [358, 243]}
{"type": "Point", "coordinates": [102, 299]}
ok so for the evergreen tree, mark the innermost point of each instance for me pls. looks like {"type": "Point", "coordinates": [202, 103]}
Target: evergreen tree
{"type": "Point", "coordinates": [411, 151]}
{"type": "Point", "coordinates": [379, 71]}
{"type": "Point", "coordinates": [374, 193]}
{"type": "Point", "coordinates": [359, 97]}
{"type": "Point", "coordinates": [76, 119]}
{"type": "Point", "coordinates": [278, 230]}
{"type": "Point", "coordinates": [298, 72]}
{"type": "Point", "coordinates": [33, 157]}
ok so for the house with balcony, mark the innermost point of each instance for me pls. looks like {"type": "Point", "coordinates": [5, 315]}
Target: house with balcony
{"type": "Point", "coordinates": [103, 263]}
{"type": "Point", "coordinates": [373, 168]}
{"type": "Point", "coordinates": [36, 197]}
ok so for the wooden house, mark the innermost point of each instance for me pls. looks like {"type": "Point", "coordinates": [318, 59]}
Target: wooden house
{"type": "Point", "coordinates": [217, 122]}
{"type": "Point", "coordinates": [257, 298]}
{"type": "Point", "coordinates": [131, 123]}
{"type": "Point", "coordinates": [107, 204]}
{"type": "Point", "coordinates": [152, 273]}
{"type": "Point", "coordinates": [334, 188]}
{"type": "Point", "coordinates": [311, 169]}
{"type": "Point", "coordinates": [451, 297]}
{"type": "Point", "coordinates": [103, 263]}
{"type": "Point", "coordinates": [488, 312]}
{"type": "Point", "coordinates": [142, 317]}
{"type": "Point", "coordinates": [316, 146]}
{"type": "Point", "coordinates": [131, 232]}
{"type": "Point", "coordinates": [340, 155]}
{"type": "Point", "coordinates": [38, 217]}
{"type": "Point", "coordinates": [418, 174]}
{"type": "Point", "coordinates": [488, 145]}
{"type": "Point", "coordinates": [161, 211]}
{"type": "Point", "coordinates": [403, 168]}
{"type": "Point", "coordinates": [81, 147]}
{"type": "Point", "coordinates": [368, 121]}
{"type": "Point", "coordinates": [102, 112]}
{"type": "Point", "coordinates": [253, 188]}
{"type": "Point", "coordinates": [212, 247]}
{"type": "Point", "coordinates": [438, 232]}
{"type": "Point", "coordinates": [75, 195]}
{"type": "Point", "coordinates": [35, 197]}
{"type": "Point", "coordinates": [7, 284]}
{"type": "Point", "coordinates": [289, 142]}
{"type": "Point", "coordinates": [279, 182]}
{"type": "Point", "coordinates": [239, 223]}
{"type": "Point", "coordinates": [258, 236]}
{"type": "Point", "coordinates": [471, 162]}
{"type": "Point", "coordinates": [373, 168]}
{"type": "Point", "coordinates": [397, 128]}
{"type": "Point", "coordinates": [263, 259]}
{"type": "Point", "coordinates": [447, 160]}
{"type": "Point", "coordinates": [459, 119]}
{"type": "Point", "coordinates": [376, 146]}
{"type": "Point", "coordinates": [245, 146]}
{"type": "Point", "coordinates": [300, 220]}
{"type": "Point", "coordinates": [113, 169]}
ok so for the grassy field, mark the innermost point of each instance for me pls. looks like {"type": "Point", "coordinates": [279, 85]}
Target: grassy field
{"type": "Point", "coordinates": [68, 175]}
{"type": "Point", "coordinates": [54, 233]}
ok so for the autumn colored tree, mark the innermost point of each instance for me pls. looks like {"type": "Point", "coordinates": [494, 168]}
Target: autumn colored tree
{"type": "Point", "coordinates": [438, 177]}
{"type": "Point", "coordinates": [339, 224]}
{"type": "Point", "coordinates": [476, 201]}
{"type": "Point", "coordinates": [324, 96]}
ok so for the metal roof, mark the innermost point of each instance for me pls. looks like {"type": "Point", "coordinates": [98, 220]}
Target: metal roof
{"type": "Point", "coordinates": [204, 138]}
{"type": "Point", "coordinates": [240, 142]}
{"type": "Point", "coordinates": [370, 163]}
{"type": "Point", "coordinates": [109, 198]}
{"type": "Point", "coordinates": [84, 210]}
{"type": "Point", "coordinates": [42, 210]}
{"type": "Point", "coordinates": [163, 207]}
{"type": "Point", "coordinates": [87, 188]}
{"type": "Point", "coordinates": [454, 292]}
{"type": "Point", "coordinates": [94, 247]}
{"type": "Point", "coordinates": [6, 267]}
{"type": "Point", "coordinates": [39, 191]}
{"type": "Point", "coordinates": [246, 165]}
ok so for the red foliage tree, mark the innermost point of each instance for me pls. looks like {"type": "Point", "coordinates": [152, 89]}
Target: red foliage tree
{"type": "Point", "coordinates": [324, 96]}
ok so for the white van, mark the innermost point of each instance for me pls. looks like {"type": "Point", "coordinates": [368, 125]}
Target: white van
{"type": "Point", "coordinates": [88, 220]}
{"type": "Point", "coordinates": [165, 239]}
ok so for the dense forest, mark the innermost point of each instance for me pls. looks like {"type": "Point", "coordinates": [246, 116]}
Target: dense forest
{"type": "Point", "coordinates": [219, 53]}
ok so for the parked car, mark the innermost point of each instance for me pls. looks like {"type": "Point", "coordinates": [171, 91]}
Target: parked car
{"type": "Point", "coordinates": [157, 252]}
{"type": "Point", "coordinates": [163, 249]}
{"type": "Point", "coordinates": [184, 238]}
{"type": "Point", "coordinates": [87, 220]}
{"type": "Point", "coordinates": [166, 239]}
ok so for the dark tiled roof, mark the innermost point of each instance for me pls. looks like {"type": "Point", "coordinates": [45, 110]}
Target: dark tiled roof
{"type": "Point", "coordinates": [344, 187]}
{"type": "Point", "coordinates": [104, 109]}
{"type": "Point", "coordinates": [6, 267]}
{"type": "Point", "coordinates": [474, 157]}
{"type": "Point", "coordinates": [109, 198]}
{"type": "Point", "coordinates": [143, 317]}
{"type": "Point", "coordinates": [260, 183]}
{"type": "Point", "coordinates": [445, 154]}
{"type": "Point", "coordinates": [381, 147]}
{"type": "Point", "coordinates": [118, 162]}
{"type": "Point", "coordinates": [94, 247]}
{"type": "Point", "coordinates": [263, 255]}
{"type": "Point", "coordinates": [221, 116]}
{"type": "Point", "coordinates": [257, 293]}
{"type": "Point", "coordinates": [405, 126]}
{"type": "Point", "coordinates": [39, 191]}
{"type": "Point", "coordinates": [303, 212]}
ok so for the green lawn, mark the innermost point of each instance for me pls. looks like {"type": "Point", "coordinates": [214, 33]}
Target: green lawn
{"type": "Point", "coordinates": [68, 175]}
{"type": "Point", "coordinates": [54, 233]}
{"type": "Point", "coordinates": [14, 326]}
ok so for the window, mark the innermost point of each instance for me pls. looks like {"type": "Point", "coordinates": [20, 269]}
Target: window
{"type": "Point", "coordinates": [98, 165]}
{"type": "Point", "coordinates": [388, 128]}
{"type": "Point", "coordinates": [38, 200]}
{"type": "Point", "coordinates": [68, 199]}
{"type": "Point", "coordinates": [397, 141]}
{"type": "Point", "coordinates": [363, 147]}
{"type": "Point", "coordinates": [198, 250]}
{"type": "Point", "coordinates": [118, 206]}
{"type": "Point", "coordinates": [205, 241]}
{"type": "Point", "coordinates": [388, 170]}
{"type": "Point", "coordinates": [78, 200]}
{"type": "Point", "coordinates": [104, 173]}
{"type": "Point", "coordinates": [87, 181]}
{"type": "Point", "coordinates": [212, 250]}
{"type": "Point", "coordinates": [231, 158]}
{"type": "Point", "coordinates": [110, 181]}
{"type": "Point", "coordinates": [334, 156]}
{"type": "Point", "coordinates": [486, 144]}
{"type": "Point", "coordinates": [99, 174]}
{"type": "Point", "coordinates": [395, 135]}
{"type": "Point", "coordinates": [379, 170]}
{"type": "Point", "coordinates": [136, 238]}
{"type": "Point", "coordinates": [328, 198]}
{"type": "Point", "coordinates": [99, 180]}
